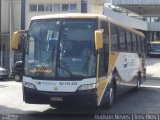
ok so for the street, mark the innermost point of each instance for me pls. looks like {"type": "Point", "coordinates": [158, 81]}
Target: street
{"type": "Point", "coordinates": [146, 100]}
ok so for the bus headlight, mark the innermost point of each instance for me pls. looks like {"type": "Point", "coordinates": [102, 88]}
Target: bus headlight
{"type": "Point", "coordinates": [29, 85]}
{"type": "Point", "coordinates": [87, 87]}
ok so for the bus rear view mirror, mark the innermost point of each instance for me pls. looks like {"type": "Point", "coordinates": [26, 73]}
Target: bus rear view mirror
{"type": "Point", "coordinates": [18, 40]}
{"type": "Point", "coordinates": [98, 39]}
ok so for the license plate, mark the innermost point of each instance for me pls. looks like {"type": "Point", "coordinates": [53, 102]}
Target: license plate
{"type": "Point", "coordinates": [56, 99]}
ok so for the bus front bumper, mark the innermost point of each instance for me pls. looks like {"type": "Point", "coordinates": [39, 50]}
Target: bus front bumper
{"type": "Point", "coordinates": [38, 97]}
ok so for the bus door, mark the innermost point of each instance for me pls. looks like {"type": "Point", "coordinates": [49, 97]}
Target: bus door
{"type": "Point", "coordinates": [103, 58]}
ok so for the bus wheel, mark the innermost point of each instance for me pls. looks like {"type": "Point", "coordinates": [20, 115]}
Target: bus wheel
{"type": "Point", "coordinates": [111, 96]}
{"type": "Point", "coordinates": [138, 82]}
{"type": "Point", "coordinates": [17, 78]}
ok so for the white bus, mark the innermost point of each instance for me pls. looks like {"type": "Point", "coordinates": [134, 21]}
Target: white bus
{"type": "Point", "coordinates": [79, 58]}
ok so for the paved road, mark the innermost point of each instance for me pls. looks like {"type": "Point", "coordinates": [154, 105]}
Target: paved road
{"type": "Point", "coordinates": [153, 68]}
{"type": "Point", "coordinates": [11, 100]}
{"type": "Point", "coordinates": [144, 101]}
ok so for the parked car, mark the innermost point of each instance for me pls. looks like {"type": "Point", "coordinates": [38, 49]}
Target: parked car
{"type": "Point", "coordinates": [3, 73]}
{"type": "Point", "coordinates": [16, 72]}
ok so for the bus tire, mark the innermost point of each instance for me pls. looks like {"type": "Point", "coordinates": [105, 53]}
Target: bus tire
{"type": "Point", "coordinates": [17, 78]}
{"type": "Point", "coordinates": [112, 96]}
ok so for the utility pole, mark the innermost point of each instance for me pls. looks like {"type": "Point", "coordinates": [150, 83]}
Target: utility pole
{"type": "Point", "coordinates": [11, 28]}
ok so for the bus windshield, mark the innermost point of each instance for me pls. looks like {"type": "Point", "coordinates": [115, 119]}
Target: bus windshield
{"type": "Point", "coordinates": [155, 47]}
{"type": "Point", "coordinates": [61, 49]}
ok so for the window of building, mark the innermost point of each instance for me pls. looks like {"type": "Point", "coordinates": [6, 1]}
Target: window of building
{"type": "Point", "coordinates": [65, 7]}
{"type": "Point", "coordinates": [32, 7]}
{"type": "Point", "coordinates": [57, 7]}
{"type": "Point", "coordinates": [48, 7]}
{"type": "Point", "coordinates": [72, 7]}
{"type": "Point", "coordinates": [52, 7]}
{"type": "Point", "coordinates": [41, 7]}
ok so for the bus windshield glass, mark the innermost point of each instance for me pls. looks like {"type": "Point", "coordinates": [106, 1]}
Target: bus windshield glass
{"type": "Point", "coordinates": [61, 48]}
{"type": "Point", "coordinates": [155, 47]}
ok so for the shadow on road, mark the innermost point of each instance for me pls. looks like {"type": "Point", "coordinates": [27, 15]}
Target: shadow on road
{"type": "Point", "coordinates": [152, 77]}
{"type": "Point", "coordinates": [146, 100]}
{"type": "Point", "coordinates": [50, 114]}
{"type": "Point", "coordinates": [6, 80]}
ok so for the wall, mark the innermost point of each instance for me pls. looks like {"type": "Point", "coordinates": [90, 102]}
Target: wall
{"type": "Point", "coordinates": [17, 15]}
{"type": "Point", "coordinates": [95, 7]}
{"type": "Point", "coordinates": [4, 16]}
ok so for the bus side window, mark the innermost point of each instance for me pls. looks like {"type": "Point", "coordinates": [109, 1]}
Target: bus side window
{"type": "Point", "coordinates": [125, 38]}
{"type": "Point", "coordinates": [129, 41]}
{"type": "Point", "coordinates": [114, 38]}
{"type": "Point", "coordinates": [122, 39]}
{"type": "Point", "coordinates": [134, 42]}
{"type": "Point", "coordinates": [142, 45]}
{"type": "Point", "coordinates": [132, 49]}
{"type": "Point", "coordinates": [139, 44]}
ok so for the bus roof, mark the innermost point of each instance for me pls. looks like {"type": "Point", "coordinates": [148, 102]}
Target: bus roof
{"type": "Point", "coordinates": [69, 15]}
{"type": "Point", "coordinates": [86, 15]}
{"type": "Point", "coordinates": [126, 27]}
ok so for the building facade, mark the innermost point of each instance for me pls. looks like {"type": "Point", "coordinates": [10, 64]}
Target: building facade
{"type": "Point", "coordinates": [42, 7]}
{"type": "Point", "coordinates": [5, 21]}
{"type": "Point", "coordinates": [16, 15]}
